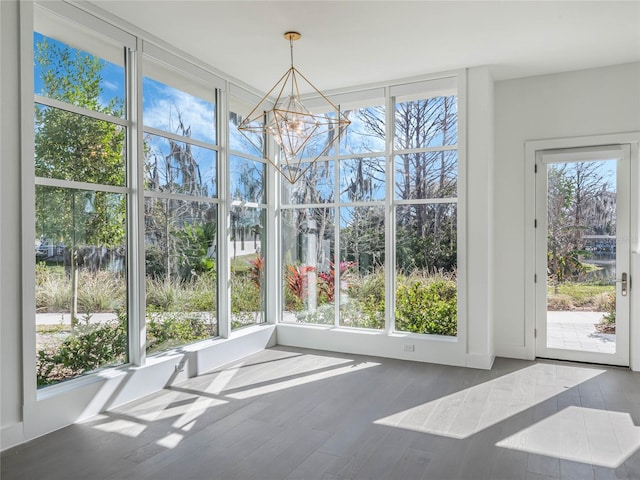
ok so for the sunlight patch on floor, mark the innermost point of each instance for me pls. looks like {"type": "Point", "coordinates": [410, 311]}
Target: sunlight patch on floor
{"type": "Point", "coordinates": [586, 435]}
{"type": "Point", "coordinates": [170, 441]}
{"type": "Point", "coordinates": [122, 427]}
{"type": "Point", "coordinates": [471, 410]}
{"type": "Point", "coordinates": [302, 379]}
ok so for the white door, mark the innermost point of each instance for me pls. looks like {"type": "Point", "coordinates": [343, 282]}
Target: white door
{"type": "Point", "coordinates": [582, 254]}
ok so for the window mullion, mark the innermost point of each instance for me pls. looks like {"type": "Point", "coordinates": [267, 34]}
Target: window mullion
{"type": "Point", "coordinates": [224, 221]}
{"type": "Point", "coordinates": [390, 226]}
{"type": "Point", "coordinates": [135, 149]}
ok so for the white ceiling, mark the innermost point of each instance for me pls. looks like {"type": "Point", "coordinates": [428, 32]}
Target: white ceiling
{"type": "Point", "coordinates": [347, 43]}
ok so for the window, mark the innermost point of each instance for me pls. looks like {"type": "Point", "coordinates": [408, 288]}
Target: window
{"type": "Point", "coordinates": [352, 205]}
{"type": "Point", "coordinates": [340, 201]}
{"type": "Point", "coordinates": [425, 201]}
{"type": "Point", "coordinates": [180, 207]}
{"type": "Point", "coordinates": [362, 186]}
{"type": "Point", "coordinates": [247, 245]}
{"type": "Point", "coordinates": [81, 201]}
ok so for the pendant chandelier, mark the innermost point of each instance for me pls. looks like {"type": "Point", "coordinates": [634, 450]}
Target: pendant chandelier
{"type": "Point", "coordinates": [302, 136]}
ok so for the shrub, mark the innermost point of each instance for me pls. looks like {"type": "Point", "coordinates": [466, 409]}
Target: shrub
{"type": "Point", "coordinates": [560, 302]}
{"type": "Point", "coordinates": [161, 294]}
{"type": "Point", "coordinates": [609, 316]}
{"type": "Point", "coordinates": [88, 348]}
{"type": "Point", "coordinates": [298, 281]}
{"type": "Point", "coordinates": [366, 304]}
{"type": "Point", "coordinates": [245, 295]}
{"type": "Point", "coordinates": [98, 291]}
{"type": "Point", "coordinates": [327, 284]}
{"type": "Point", "coordinates": [424, 306]}
{"type": "Point", "coordinates": [257, 270]}
{"type": "Point", "coordinates": [196, 294]}
{"type": "Point", "coordinates": [166, 330]}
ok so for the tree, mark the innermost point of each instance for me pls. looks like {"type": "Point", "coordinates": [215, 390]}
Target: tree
{"type": "Point", "coordinates": [69, 146]}
{"type": "Point", "coordinates": [579, 203]}
{"type": "Point", "coordinates": [426, 235]}
{"type": "Point", "coordinates": [181, 235]}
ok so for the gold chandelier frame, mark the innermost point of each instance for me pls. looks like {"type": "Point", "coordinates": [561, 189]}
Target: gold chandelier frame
{"type": "Point", "coordinates": [295, 128]}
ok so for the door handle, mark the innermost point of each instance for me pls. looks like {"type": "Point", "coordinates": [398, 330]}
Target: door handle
{"type": "Point", "coordinates": [624, 285]}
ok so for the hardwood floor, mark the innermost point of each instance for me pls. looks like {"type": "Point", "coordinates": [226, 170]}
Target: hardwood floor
{"type": "Point", "coordinates": [299, 414]}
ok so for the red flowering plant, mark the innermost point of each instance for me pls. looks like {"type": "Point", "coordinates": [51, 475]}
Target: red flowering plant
{"type": "Point", "coordinates": [328, 285]}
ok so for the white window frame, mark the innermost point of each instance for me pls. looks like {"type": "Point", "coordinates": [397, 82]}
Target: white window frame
{"type": "Point", "coordinates": [447, 83]}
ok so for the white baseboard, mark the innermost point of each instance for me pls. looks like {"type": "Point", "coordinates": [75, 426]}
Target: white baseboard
{"type": "Point", "coordinates": [514, 351]}
{"type": "Point", "coordinates": [419, 348]}
{"type": "Point", "coordinates": [480, 361]}
{"type": "Point", "coordinates": [11, 435]}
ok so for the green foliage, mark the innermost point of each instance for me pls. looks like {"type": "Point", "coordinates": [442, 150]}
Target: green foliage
{"type": "Point", "coordinates": [166, 330]}
{"type": "Point", "coordinates": [427, 307]}
{"type": "Point", "coordinates": [609, 316]}
{"type": "Point", "coordinates": [575, 295]}
{"type": "Point", "coordinates": [563, 265]}
{"type": "Point", "coordinates": [180, 312]}
{"type": "Point", "coordinates": [429, 252]}
{"type": "Point", "coordinates": [98, 291]}
{"type": "Point", "coordinates": [192, 247]}
{"type": "Point", "coordinates": [88, 348]}
{"type": "Point", "coordinates": [366, 304]}
{"type": "Point", "coordinates": [74, 147]}
{"type": "Point", "coordinates": [245, 295]}
{"type": "Point", "coordinates": [197, 294]}
{"type": "Point", "coordinates": [292, 303]}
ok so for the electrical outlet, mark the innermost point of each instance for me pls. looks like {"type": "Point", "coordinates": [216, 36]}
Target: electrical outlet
{"type": "Point", "coordinates": [409, 347]}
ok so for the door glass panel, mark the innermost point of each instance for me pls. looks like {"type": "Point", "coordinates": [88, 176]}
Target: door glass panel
{"type": "Point", "coordinates": [581, 256]}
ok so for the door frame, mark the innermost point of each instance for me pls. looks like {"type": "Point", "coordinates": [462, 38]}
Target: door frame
{"type": "Point", "coordinates": [621, 153]}
{"type": "Point", "coordinates": [533, 146]}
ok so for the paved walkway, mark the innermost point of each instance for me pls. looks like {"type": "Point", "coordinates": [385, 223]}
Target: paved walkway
{"type": "Point", "coordinates": [65, 318]}
{"type": "Point", "coordinates": [576, 331]}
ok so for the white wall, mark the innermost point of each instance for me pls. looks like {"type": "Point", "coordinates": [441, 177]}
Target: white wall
{"type": "Point", "coordinates": [10, 224]}
{"type": "Point", "coordinates": [480, 153]}
{"type": "Point", "coordinates": [588, 102]}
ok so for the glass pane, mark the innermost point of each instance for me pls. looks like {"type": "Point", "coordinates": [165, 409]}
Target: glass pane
{"type": "Point", "coordinates": [366, 133]}
{"type": "Point", "coordinates": [361, 267]}
{"type": "Point", "coordinates": [320, 143]}
{"type": "Point", "coordinates": [427, 175]}
{"type": "Point", "coordinates": [247, 179]}
{"type": "Point", "coordinates": [426, 265]}
{"type": "Point", "coordinates": [431, 122]}
{"type": "Point", "coordinates": [316, 186]}
{"type": "Point", "coordinates": [581, 256]}
{"type": "Point", "coordinates": [181, 269]}
{"type": "Point", "coordinates": [307, 253]}
{"type": "Point", "coordinates": [74, 147]}
{"type": "Point", "coordinates": [178, 167]}
{"type": "Point", "coordinates": [246, 250]}
{"type": "Point", "coordinates": [173, 110]}
{"type": "Point", "coordinates": [362, 179]}
{"type": "Point", "coordinates": [81, 282]}
{"type": "Point", "coordinates": [247, 142]}
{"type": "Point", "coordinates": [77, 77]}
